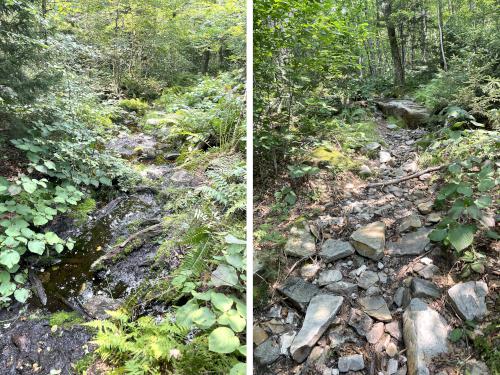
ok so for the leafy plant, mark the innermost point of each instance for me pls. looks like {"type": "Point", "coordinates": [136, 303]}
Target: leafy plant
{"type": "Point", "coordinates": [137, 105]}
{"type": "Point", "coordinates": [467, 196]}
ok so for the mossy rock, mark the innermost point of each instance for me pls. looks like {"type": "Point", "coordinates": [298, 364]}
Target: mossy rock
{"type": "Point", "coordinates": [65, 319]}
{"type": "Point", "coordinates": [333, 158]}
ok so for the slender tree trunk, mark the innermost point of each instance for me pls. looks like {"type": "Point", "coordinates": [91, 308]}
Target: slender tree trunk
{"type": "Point", "coordinates": [441, 42]}
{"type": "Point", "coordinates": [399, 77]}
{"type": "Point", "coordinates": [424, 33]}
{"type": "Point", "coordinates": [206, 61]}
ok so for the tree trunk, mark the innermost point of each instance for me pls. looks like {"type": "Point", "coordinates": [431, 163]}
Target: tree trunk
{"type": "Point", "coordinates": [424, 33]}
{"type": "Point", "coordinates": [206, 61]}
{"type": "Point", "coordinates": [441, 42]}
{"type": "Point", "coordinates": [399, 76]}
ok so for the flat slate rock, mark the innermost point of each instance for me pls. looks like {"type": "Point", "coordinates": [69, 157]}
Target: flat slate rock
{"type": "Point", "coordinates": [468, 299]}
{"type": "Point", "coordinates": [299, 291]}
{"type": "Point", "coordinates": [425, 335]}
{"type": "Point", "coordinates": [319, 315]}
{"type": "Point", "coordinates": [421, 288]}
{"type": "Point", "coordinates": [301, 243]}
{"type": "Point", "coordinates": [369, 241]}
{"type": "Point", "coordinates": [329, 276]}
{"type": "Point", "coordinates": [413, 243]}
{"type": "Point", "coordinates": [376, 307]}
{"type": "Point", "coordinates": [267, 352]}
{"type": "Point", "coordinates": [368, 279]}
{"type": "Point", "coordinates": [342, 287]}
{"type": "Point", "coordinates": [353, 362]}
{"type": "Point", "coordinates": [332, 250]}
{"type": "Point", "coordinates": [360, 321]}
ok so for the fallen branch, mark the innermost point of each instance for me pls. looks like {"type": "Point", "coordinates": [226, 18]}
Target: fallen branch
{"type": "Point", "coordinates": [151, 228]}
{"type": "Point", "coordinates": [37, 285]}
{"type": "Point", "coordinates": [409, 177]}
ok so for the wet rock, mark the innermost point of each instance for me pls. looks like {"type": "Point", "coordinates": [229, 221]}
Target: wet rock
{"type": "Point", "coordinates": [368, 279]}
{"type": "Point", "coordinates": [267, 352]}
{"type": "Point", "coordinates": [392, 366]}
{"type": "Point", "coordinates": [360, 321]}
{"type": "Point", "coordinates": [299, 291]}
{"type": "Point", "coordinates": [425, 207]}
{"type": "Point", "coordinates": [410, 112]}
{"type": "Point", "coordinates": [310, 270]}
{"type": "Point", "coordinates": [351, 363]}
{"type": "Point", "coordinates": [394, 329]}
{"type": "Point", "coordinates": [410, 222]}
{"type": "Point", "coordinates": [413, 243]}
{"type": "Point", "coordinates": [424, 289]}
{"type": "Point", "coordinates": [319, 315]}
{"type": "Point", "coordinates": [98, 304]}
{"type": "Point", "coordinates": [301, 243]}
{"type": "Point", "coordinates": [259, 335]}
{"type": "Point", "coordinates": [376, 307]}
{"type": "Point", "coordinates": [425, 335]}
{"type": "Point", "coordinates": [375, 333]}
{"type": "Point", "coordinates": [332, 250]}
{"type": "Point", "coordinates": [342, 287]}
{"type": "Point", "coordinates": [369, 241]}
{"type": "Point", "coordinates": [469, 299]}
{"type": "Point", "coordinates": [286, 341]}
{"type": "Point", "coordinates": [329, 276]}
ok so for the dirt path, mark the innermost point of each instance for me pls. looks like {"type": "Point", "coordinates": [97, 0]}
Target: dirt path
{"type": "Point", "coordinates": [371, 252]}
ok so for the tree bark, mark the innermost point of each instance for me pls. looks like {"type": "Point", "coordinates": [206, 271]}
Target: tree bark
{"type": "Point", "coordinates": [399, 75]}
{"type": "Point", "coordinates": [441, 41]}
{"type": "Point", "coordinates": [206, 61]}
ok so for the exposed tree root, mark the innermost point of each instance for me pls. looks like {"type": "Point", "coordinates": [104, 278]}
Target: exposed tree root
{"type": "Point", "coordinates": [152, 228]}
{"type": "Point", "coordinates": [409, 177]}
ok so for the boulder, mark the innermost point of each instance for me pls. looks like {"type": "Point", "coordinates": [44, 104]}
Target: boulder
{"type": "Point", "coordinates": [369, 241]}
{"type": "Point", "coordinates": [319, 315]}
{"type": "Point", "coordinates": [425, 335]}
{"type": "Point", "coordinates": [332, 250]}
{"type": "Point", "coordinates": [413, 114]}
{"type": "Point", "coordinates": [468, 299]}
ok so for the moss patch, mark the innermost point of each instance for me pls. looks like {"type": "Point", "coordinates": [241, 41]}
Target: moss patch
{"type": "Point", "coordinates": [65, 319]}
{"type": "Point", "coordinates": [81, 212]}
{"type": "Point", "coordinates": [334, 159]}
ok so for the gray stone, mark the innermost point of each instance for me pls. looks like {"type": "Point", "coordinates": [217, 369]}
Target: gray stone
{"type": "Point", "coordinates": [342, 287]}
{"type": "Point", "coordinates": [373, 291]}
{"type": "Point", "coordinates": [385, 157]}
{"type": "Point", "coordinates": [468, 299]}
{"type": "Point", "coordinates": [477, 368]}
{"type": "Point", "coordinates": [259, 335]}
{"type": "Point", "coordinates": [369, 241]}
{"type": "Point", "coordinates": [286, 341]}
{"type": "Point", "coordinates": [392, 126]}
{"type": "Point", "coordinates": [425, 335]}
{"type": "Point", "coordinates": [392, 366]}
{"type": "Point", "coordinates": [376, 307]}
{"type": "Point", "coordinates": [375, 333]}
{"type": "Point", "coordinates": [372, 146]}
{"type": "Point", "coordinates": [329, 276]}
{"type": "Point", "coordinates": [433, 217]}
{"type": "Point", "coordinates": [97, 306]}
{"type": "Point", "coordinates": [394, 329]}
{"type": "Point", "coordinates": [301, 243]}
{"type": "Point", "coordinates": [353, 362]}
{"type": "Point", "coordinates": [365, 171]}
{"type": "Point", "coordinates": [424, 289]}
{"type": "Point", "coordinates": [413, 243]}
{"type": "Point", "coordinates": [319, 315]}
{"type": "Point", "coordinates": [332, 250]}
{"type": "Point", "coordinates": [360, 321]}
{"type": "Point", "coordinates": [425, 207]}
{"type": "Point", "coordinates": [391, 349]}
{"type": "Point", "coordinates": [181, 177]}
{"type": "Point", "coordinates": [428, 272]}
{"type": "Point", "coordinates": [310, 270]}
{"type": "Point", "coordinates": [410, 112]}
{"type": "Point", "coordinates": [367, 279]}
{"type": "Point", "coordinates": [299, 291]}
{"type": "Point", "coordinates": [410, 222]}
{"type": "Point", "coordinates": [267, 352]}
{"type": "Point", "coordinates": [398, 296]}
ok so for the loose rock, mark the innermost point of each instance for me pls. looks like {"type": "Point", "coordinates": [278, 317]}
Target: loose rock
{"type": "Point", "coordinates": [369, 241]}
{"type": "Point", "coordinates": [351, 363]}
{"type": "Point", "coordinates": [368, 279]}
{"type": "Point", "coordinates": [335, 249]}
{"type": "Point", "coordinates": [410, 244]}
{"type": "Point", "coordinates": [267, 353]}
{"type": "Point", "coordinates": [424, 289]}
{"type": "Point", "coordinates": [301, 243]}
{"type": "Point", "coordinates": [375, 333]}
{"type": "Point", "coordinates": [259, 335]}
{"type": "Point", "coordinates": [360, 321]}
{"type": "Point", "coordinates": [329, 276]}
{"type": "Point", "coordinates": [468, 299]}
{"type": "Point", "coordinates": [425, 207]}
{"type": "Point", "coordinates": [319, 315]}
{"type": "Point", "coordinates": [376, 307]}
{"type": "Point", "coordinates": [342, 287]}
{"type": "Point", "coordinates": [299, 291]}
{"type": "Point", "coordinates": [394, 329]}
{"type": "Point", "coordinates": [409, 222]}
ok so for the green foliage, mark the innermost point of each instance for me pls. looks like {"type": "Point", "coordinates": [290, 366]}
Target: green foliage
{"type": "Point", "coordinates": [468, 197]}
{"type": "Point", "coordinates": [137, 105]}
{"type": "Point", "coordinates": [64, 319]}
{"type": "Point", "coordinates": [81, 211]}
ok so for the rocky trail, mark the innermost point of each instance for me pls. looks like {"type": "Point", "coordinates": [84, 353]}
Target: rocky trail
{"type": "Point", "coordinates": [113, 256]}
{"type": "Point", "coordinates": [369, 293]}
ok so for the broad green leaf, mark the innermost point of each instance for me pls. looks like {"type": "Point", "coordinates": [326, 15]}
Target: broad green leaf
{"type": "Point", "coordinates": [183, 313]}
{"type": "Point", "coordinates": [486, 184]}
{"type": "Point", "coordinates": [40, 220]}
{"type": "Point", "coordinates": [9, 258]}
{"type": "Point", "coordinates": [4, 276]}
{"type": "Point", "coordinates": [221, 302]}
{"type": "Point", "coordinates": [15, 190]}
{"type": "Point", "coordinates": [483, 201]}
{"type": "Point", "coordinates": [438, 235]}
{"type": "Point", "coordinates": [465, 189]}
{"type": "Point", "coordinates": [21, 295]}
{"type": "Point", "coordinates": [49, 164]}
{"type": "Point", "coordinates": [59, 248]}
{"type": "Point", "coordinates": [7, 289]}
{"type": "Point", "coordinates": [233, 319]}
{"type": "Point", "coordinates": [223, 340]}
{"type": "Point", "coordinates": [224, 275]}
{"type": "Point", "coordinates": [29, 186]}
{"type": "Point", "coordinates": [105, 181]}
{"type": "Point", "coordinates": [37, 247]}
{"type": "Point", "coordinates": [477, 267]}
{"type": "Point", "coordinates": [233, 240]}
{"type": "Point", "coordinates": [454, 168]}
{"type": "Point", "coordinates": [52, 238]}
{"type": "Point", "coordinates": [203, 318]}
{"type": "Point", "coordinates": [461, 237]}
{"type": "Point", "coordinates": [239, 369]}
{"type": "Point", "coordinates": [20, 278]}
{"type": "Point", "coordinates": [236, 261]}
{"type": "Point", "coordinates": [455, 335]}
